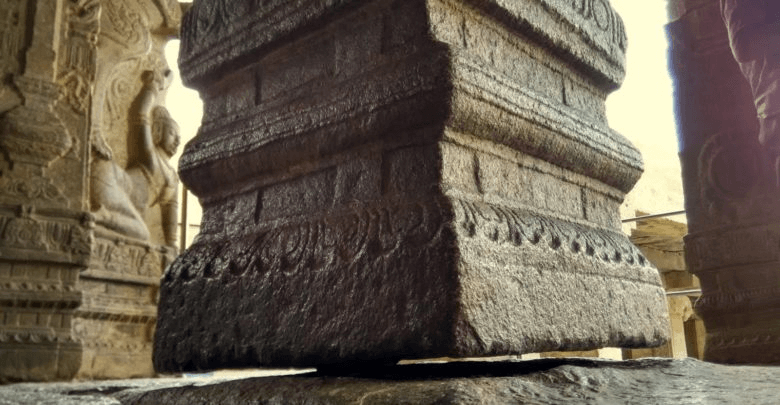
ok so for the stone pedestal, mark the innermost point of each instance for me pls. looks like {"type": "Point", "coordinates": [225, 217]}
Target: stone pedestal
{"type": "Point", "coordinates": [731, 199]}
{"type": "Point", "coordinates": [77, 293]}
{"type": "Point", "coordinates": [404, 179]}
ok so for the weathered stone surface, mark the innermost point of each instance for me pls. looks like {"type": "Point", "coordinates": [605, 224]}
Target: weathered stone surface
{"type": "Point", "coordinates": [86, 192]}
{"type": "Point", "coordinates": [731, 198]}
{"type": "Point", "coordinates": [661, 241]}
{"type": "Point", "coordinates": [549, 381]}
{"type": "Point", "coordinates": [404, 179]}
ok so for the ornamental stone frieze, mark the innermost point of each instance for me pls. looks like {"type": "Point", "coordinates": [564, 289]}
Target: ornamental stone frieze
{"type": "Point", "coordinates": [87, 192]}
{"type": "Point", "coordinates": [404, 179]}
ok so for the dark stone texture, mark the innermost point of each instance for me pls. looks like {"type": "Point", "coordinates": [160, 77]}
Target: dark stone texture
{"type": "Point", "coordinates": [731, 197]}
{"type": "Point", "coordinates": [547, 381]}
{"type": "Point", "coordinates": [388, 180]}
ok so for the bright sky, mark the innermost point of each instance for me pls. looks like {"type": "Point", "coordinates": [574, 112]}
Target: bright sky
{"type": "Point", "coordinates": [641, 110]}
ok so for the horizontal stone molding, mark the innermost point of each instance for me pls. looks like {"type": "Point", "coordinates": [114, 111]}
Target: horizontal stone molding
{"type": "Point", "coordinates": [722, 341]}
{"type": "Point", "coordinates": [128, 260]}
{"type": "Point", "coordinates": [527, 229]}
{"type": "Point", "coordinates": [741, 301]}
{"type": "Point", "coordinates": [755, 344]}
{"type": "Point", "coordinates": [369, 248]}
{"type": "Point", "coordinates": [149, 315]}
{"type": "Point", "coordinates": [371, 107]}
{"type": "Point", "coordinates": [29, 237]}
{"type": "Point", "coordinates": [17, 295]}
{"type": "Point", "coordinates": [116, 309]}
{"type": "Point", "coordinates": [364, 111]}
{"type": "Point", "coordinates": [520, 227]}
{"type": "Point", "coordinates": [218, 32]}
{"type": "Point", "coordinates": [711, 250]}
{"type": "Point", "coordinates": [11, 338]}
{"type": "Point", "coordinates": [532, 123]}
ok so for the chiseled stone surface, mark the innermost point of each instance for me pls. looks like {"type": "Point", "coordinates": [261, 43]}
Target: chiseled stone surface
{"type": "Point", "coordinates": [548, 381]}
{"type": "Point", "coordinates": [404, 179]}
{"type": "Point", "coordinates": [731, 197]}
{"type": "Point", "coordinates": [87, 194]}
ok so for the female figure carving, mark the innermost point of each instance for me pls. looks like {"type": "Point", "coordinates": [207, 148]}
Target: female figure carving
{"type": "Point", "coordinates": [122, 197]}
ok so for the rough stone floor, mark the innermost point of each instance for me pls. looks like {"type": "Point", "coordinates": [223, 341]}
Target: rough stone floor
{"type": "Point", "coordinates": [545, 381]}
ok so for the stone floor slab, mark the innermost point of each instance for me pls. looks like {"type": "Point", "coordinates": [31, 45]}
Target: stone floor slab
{"type": "Point", "coordinates": [545, 381]}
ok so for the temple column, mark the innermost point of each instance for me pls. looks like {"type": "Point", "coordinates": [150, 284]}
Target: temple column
{"type": "Point", "coordinates": [405, 179]}
{"type": "Point", "coordinates": [732, 202]}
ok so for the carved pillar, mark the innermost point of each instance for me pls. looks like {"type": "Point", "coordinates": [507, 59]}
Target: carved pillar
{"type": "Point", "coordinates": [732, 203]}
{"type": "Point", "coordinates": [77, 296]}
{"type": "Point", "coordinates": [404, 179]}
{"type": "Point", "coordinates": [33, 135]}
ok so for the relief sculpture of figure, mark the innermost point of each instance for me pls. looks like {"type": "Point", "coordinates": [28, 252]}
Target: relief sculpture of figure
{"type": "Point", "coordinates": [754, 33]}
{"type": "Point", "coordinates": [122, 197]}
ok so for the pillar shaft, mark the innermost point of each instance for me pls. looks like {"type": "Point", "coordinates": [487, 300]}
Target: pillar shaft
{"type": "Point", "coordinates": [732, 202]}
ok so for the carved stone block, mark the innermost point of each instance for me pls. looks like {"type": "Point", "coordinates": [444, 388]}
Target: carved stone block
{"type": "Point", "coordinates": [404, 179]}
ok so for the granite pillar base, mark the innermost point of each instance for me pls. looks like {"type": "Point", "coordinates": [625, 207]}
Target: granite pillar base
{"type": "Point", "coordinates": [404, 179]}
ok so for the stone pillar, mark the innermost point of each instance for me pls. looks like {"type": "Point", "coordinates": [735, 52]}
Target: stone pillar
{"type": "Point", "coordinates": [404, 179]}
{"type": "Point", "coordinates": [680, 310]}
{"type": "Point", "coordinates": [731, 199]}
{"type": "Point", "coordinates": [661, 241]}
{"type": "Point", "coordinates": [77, 292]}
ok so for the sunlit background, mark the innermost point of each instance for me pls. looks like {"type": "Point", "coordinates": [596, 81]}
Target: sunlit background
{"type": "Point", "coordinates": [641, 110]}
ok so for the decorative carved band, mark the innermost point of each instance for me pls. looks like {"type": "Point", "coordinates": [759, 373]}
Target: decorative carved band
{"type": "Point", "coordinates": [771, 339]}
{"type": "Point", "coordinates": [717, 249]}
{"type": "Point", "coordinates": [37, 88]}
{"type": "Point", "coordinates": [373, 106]}
{"type": "Point", "coordinates": [125, 258]}
{"type": "Point", "coordinates": [36, 189]}
{"type": "Point", "coordinates": [30, 337]}
{"type": "Point", "coordinates": [117, 317]}
{"type": "Point", "coordinates": [752, 300]}
{"type": "Point", "coordinates": [340, 239]}
{"type": "Point", "coordinates": [523, 228]}
{"type": "Point", "coordinates": [214, 31]}
{"type": "Point", "coordinates": [50, 236]}
{"type": "Point", "coordinates": [601, 14]}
